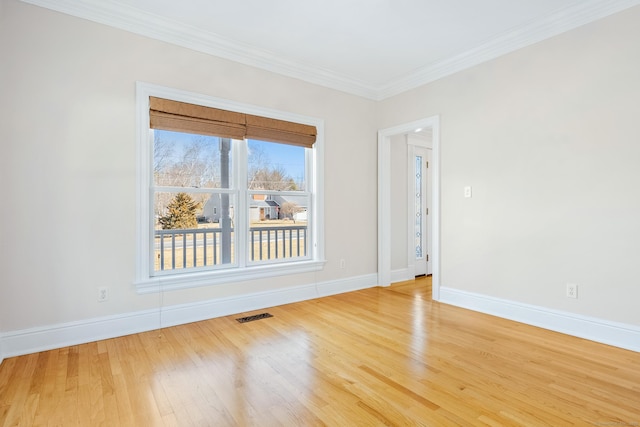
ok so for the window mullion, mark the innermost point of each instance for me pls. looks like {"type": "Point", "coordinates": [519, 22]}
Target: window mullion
{"type": "Point", "coordinates": [242, 219]}
{"type": "Point", "coordinates": [309, 186]}
{"type": "Point", "coordinates": [205, 190]}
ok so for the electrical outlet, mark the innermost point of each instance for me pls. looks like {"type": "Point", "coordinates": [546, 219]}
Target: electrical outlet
{"type": "Point", "coordinates": [572, 290]}
{"type": "Point", "coordinates": [103, 294]}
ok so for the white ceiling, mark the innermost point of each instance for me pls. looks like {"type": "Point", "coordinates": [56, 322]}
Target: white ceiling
{"type": "Point", "coordinates": [371, 48]}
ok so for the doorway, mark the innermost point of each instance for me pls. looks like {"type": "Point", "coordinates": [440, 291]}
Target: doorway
{"type": "Point", "coordinates": [384, 199]}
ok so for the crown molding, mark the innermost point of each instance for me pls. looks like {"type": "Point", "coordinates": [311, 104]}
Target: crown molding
{"type": "Point", "coordinates": [130, 19]}
{"type": "Point", "coordinates": [146, 24]}
{"type": "Point", "coordinates": [557, 23]}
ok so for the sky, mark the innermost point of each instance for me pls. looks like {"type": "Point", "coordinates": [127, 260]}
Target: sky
{"type": "Point", "coordinates": [289, 157]}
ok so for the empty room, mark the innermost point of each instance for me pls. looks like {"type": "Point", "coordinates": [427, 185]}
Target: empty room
{"type": "Point", "coordinates": [320, 213]}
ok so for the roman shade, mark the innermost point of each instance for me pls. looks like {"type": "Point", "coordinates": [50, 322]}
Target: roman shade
{"type": "Point", "coordinates": [179, 116]}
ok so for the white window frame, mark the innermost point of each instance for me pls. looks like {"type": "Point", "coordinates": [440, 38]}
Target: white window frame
{"type": "Point", "coordinates": [145, 282]}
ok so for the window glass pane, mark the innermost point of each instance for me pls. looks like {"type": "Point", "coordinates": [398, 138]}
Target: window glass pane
{"type": "Point", "coordinates": [278, 227]}
{"type": "Point", "coordinates": [193, 230]}
{"type": "Point", "coordinates": [188, 160]}
{"type": "Point", "coordinates": [273, 166]}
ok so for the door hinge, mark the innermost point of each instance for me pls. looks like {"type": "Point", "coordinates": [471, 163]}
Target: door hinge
{"type": "Point", "coordinates": [427, 164]}
{"type": "Point", "coordinates": [427, 211]}
{"type": "Point", "coordinates": [427, 257]}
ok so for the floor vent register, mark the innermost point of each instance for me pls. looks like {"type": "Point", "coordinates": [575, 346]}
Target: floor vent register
{"type": "Point", "coordinates": [254, 317]}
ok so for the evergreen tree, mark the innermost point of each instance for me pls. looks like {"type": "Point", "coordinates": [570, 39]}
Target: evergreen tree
{"type": "Point", "coordinates": [181, 213]}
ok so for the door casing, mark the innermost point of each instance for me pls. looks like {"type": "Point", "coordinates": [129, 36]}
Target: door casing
{"type": "Point", "coordinates": [384, 199]}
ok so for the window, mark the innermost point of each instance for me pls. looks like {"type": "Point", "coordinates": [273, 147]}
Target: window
{"type": "Point", "coordinates": [227, 192]}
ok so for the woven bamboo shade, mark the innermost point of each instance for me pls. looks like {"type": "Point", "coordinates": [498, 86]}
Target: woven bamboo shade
{"type": "Point", "coordinates": [179, 116]}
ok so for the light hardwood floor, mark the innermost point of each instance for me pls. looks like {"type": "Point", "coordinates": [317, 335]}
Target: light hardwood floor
{"type": "Point", "coordinates": [381, 356]}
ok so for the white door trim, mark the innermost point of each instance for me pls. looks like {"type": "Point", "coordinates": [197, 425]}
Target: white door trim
{"type": "Point", "coordinates": [384, 199]}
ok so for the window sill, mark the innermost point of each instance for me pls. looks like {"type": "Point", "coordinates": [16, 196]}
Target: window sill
{"type": "Point", "coordinates": [208, 278]}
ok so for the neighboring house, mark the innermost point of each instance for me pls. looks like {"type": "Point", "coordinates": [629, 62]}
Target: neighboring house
{"type": "Point", "coordinates": [212, 208]}
{"type": "Point", "coordinates": [261, 207]}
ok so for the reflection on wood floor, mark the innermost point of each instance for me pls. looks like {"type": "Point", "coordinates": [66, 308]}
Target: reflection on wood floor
{"type": "Point", "coordinates": [380, 356]}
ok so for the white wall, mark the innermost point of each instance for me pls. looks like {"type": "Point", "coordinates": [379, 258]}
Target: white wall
{"type": "Point", "coordinates": [399, 203]}
{"type": "Point", "coordinates": [548, 137]}
{"type": "Point", "coordinates": [68, 166]}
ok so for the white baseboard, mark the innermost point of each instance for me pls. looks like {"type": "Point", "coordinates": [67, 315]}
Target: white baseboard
{"type": "Point", "coordinates": [33, 340]}
{"type": "Point", "coordinates": [72, 333]}
{"type": "Point", "coordinates": [603, 331]}
{"type": "Point", "coordinates": [402, 275]}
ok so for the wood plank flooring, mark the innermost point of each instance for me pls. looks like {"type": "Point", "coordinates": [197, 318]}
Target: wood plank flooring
{"type": "Point", "coordinates": [377, 357]}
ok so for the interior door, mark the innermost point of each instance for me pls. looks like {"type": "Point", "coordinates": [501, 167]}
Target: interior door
{"type": "Point", "coordinates": [421, 232]}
